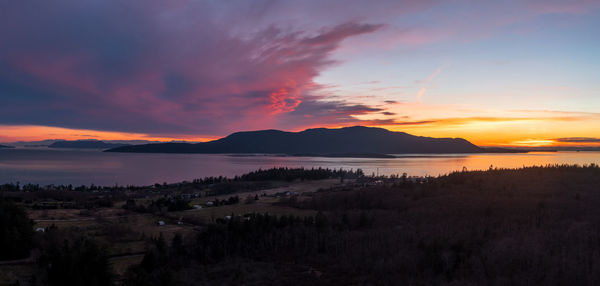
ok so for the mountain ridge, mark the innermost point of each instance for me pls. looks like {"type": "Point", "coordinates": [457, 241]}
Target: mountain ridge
{"type": "Point", "coordinates": [347, 140]}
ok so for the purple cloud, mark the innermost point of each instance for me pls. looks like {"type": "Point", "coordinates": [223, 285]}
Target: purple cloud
{"type": "Point", "coordinates": [203, 67]}
{"type": "Point", "coordinates": [161, 67]}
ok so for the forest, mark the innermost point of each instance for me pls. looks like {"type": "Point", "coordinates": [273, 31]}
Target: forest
{"type": "Point", "coordinates": [527, 226]}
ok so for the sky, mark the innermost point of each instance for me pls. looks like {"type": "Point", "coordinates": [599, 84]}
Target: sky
{"type": "Point", "coordinates": [497, 73]}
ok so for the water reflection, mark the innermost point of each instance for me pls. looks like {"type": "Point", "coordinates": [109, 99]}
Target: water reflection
{"type": "Point", "coordinates": [47, 166]}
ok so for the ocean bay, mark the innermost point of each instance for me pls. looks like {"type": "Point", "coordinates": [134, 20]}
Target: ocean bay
{"type": "Point", "coordinates": [84, 167]}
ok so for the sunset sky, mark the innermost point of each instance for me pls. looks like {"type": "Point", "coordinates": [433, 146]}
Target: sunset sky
{"type": "Point", "coordinates": [520, 73]}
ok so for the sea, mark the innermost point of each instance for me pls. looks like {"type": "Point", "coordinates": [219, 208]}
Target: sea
{"type": "Point", "coordinates": [46, 166]}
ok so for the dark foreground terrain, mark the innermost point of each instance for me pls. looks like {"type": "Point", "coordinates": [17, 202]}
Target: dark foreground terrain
{"type": "Point", "coordinates": [531, 226]}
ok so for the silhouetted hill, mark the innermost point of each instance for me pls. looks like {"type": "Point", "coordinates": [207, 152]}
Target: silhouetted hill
{"type": "Point", "coordinates": [85, 144]}
{"type": "Point", "coordinates": [349, 140]}
{"type": "Point", "coordinates": [4, 146]}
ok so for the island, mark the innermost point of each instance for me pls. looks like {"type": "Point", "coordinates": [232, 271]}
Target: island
{"type": "Point", "coordinates": [339, 142]}
{"type": "Point", "coordinates": [85, 144]}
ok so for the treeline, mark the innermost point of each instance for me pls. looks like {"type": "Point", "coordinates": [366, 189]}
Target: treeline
{"type": "Point", "coordinates": [160, 263]}
{"type": "Point", "coordinates": [16, 187]}
{"type": "Point", "coordinates": [63, 258]}
{"type": "Point", "coordinates": [290, 174]}
{"type": "Point", "coordinates": [283, 174]}
{"type": "Point", "coordinates": [254, 237]}
{"type": "Point", "coordinates": [160, 205]}
{"type": "Point", "coordinates": [70, 259]}
{"type": "Point", "coordinates": [530, 226]}
{"type": "Point", "coordinates": [229, 201]}
{"type": "Point", "coordinates": [172, 204]}
{"type": "Point", "coordinates": [64, 199]}
{"type": "Point", "coordinates": [16, 231]}
{"type": "Point", "coordinates": [273, 174]}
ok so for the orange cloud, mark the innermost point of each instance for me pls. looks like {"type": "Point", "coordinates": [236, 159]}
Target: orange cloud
{"type": "Point", "coordinates": [12, 133]}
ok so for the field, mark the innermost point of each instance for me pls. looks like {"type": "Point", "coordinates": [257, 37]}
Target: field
{"type": "Point", "coordinates": [126, 233]}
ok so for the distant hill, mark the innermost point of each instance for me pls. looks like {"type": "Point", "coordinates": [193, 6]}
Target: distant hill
{"type": "Point", "coordinates": [42, 143]}
{"type": "Point", "coordinates": [48, 142]}
{"type": "Point", "coordinates": [85, 144]}
{"type": "Point", "coordinates": [319, 141]}
{"type": "Point", "coordinates": [4, 146]}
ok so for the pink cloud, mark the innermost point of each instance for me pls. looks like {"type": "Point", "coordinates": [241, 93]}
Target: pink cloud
{"type": "Point", "coordinates": [212, 67]}
{"type": "Point", "coordinates": [164, 73]}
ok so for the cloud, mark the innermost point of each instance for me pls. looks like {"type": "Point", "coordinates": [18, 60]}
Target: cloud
{"type": "Point", "coordinates": [392, 102]}
{"type": "Point", "coordinates": [425, 83]}
{"type": "Point", "coordinates": [578, 140]}
{"type": "Point", "coordinates": [162, 68]}
{"type": "Point", "coordinates": [314, 112]}
{"type": "Point", "coordinates": [469, 120]}
{"type": "Point", "coordinates": [209, 67]}
{"type": "Point", "coordinates": [554, 113]}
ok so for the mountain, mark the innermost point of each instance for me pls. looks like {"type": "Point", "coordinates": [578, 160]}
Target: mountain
{"type": "Point", "coordinates": [319, 141]}
{"type": "Point", "coordinates": [4, 146]}
{"type": "Point", "coordinates": [85, 144]}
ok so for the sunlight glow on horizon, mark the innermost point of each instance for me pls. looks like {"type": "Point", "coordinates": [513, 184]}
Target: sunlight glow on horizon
{"type": "Point", "coordinates": [484, 138]}
{"type": "Point", "coordinates": [15, 133]}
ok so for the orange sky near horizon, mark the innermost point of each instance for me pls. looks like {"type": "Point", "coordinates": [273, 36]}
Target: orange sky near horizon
{"type": "Point", "coordinates": [515, 132]}
{"type": "Point", "coordinates": [498, 73]}
{"type": "Point", "coordinates": [14, 133]}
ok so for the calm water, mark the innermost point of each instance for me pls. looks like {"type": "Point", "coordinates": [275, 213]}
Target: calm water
{"type": "Point", "coordinates": [49, 166]}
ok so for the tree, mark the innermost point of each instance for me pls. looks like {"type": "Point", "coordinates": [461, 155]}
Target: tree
{"type": "Point", "coordinates": [157, 266]}
{"type": "Point", "coordinates": [83, 262]}
{"type": "Point", "coordinates": [16, 231]}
